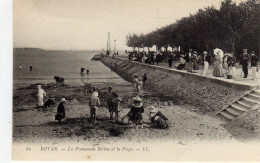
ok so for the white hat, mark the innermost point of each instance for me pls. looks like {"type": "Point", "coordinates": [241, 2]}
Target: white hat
{"type": "Point", "coordinates": [39, 86]}
{"type": "Point", "coordinates": [137, 98]}
{"type": "Point", "coordinates": [63, 100]}
{"type": "Point", "coordinates": [152, 109]}
{"type": "Point", "coordinates": [95, 94]}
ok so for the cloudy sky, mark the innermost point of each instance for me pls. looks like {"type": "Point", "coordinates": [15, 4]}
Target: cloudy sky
{"type": "Point", "coordinates": [84, 24]}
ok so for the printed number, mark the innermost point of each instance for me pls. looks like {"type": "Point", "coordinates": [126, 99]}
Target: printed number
{"type": "Point", "coordinates": [28, 149]}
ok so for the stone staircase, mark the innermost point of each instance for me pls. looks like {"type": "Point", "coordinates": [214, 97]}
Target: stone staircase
{"type": "Point", "coordinates": [239, 107]}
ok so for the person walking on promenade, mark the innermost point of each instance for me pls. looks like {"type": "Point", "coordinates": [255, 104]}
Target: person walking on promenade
{"type": "Point", "coordinates": [60, 111]}
{"type": "Point", "coordinates": [231, 65]}
{"type": "Point", "coordinates": [254, 65]}
{"type": "Point", "coordinates": [152, 58]}
{"type": "Point", "coordinates": [31, 67]}
{"type": "Point", "coordinates": [189, 62]}
{"type": "Point", "coordinates": [205, 61]}
{"type": "Point", "coordinates": [170, 60]}
{"type": "Point", "coordinates": [136, 112]}
{"type": "Point", "coordinates": [20, 67]}
{"type": "Point", "coordinates": [218, 69]}
{"type": "Point", "coordinates": [158, 58]}
{"type": "Point", "coordinates": [195, 61]}
{"type": "Point", "coordinates": [94, 102]}
{"type": "Point", "coordinates": [244, 61]}
{"type": "Point", "coordinates": [41, 94]}
{"type": "Point", "coordinates": [109, 102]}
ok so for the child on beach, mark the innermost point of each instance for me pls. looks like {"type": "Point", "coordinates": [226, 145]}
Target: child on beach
{"type": "Point", "coordinates": [136, 112]}
{"type": "Point", "coordinates": [116, 103]}
{"type": "Point", "coordinates": [157, 118]}
{"type": "Point", "coordinates": [60, 111]}
{"type": "Point", "coordinates": [41, 94]}
{"type": "Point", "coordinates": [109, 102]}
{"type": "Point", "coordinates": [94, 102]}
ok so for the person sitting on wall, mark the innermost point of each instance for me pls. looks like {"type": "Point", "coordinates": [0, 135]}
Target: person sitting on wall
{"type": "Point", "coordinates": [157, 118]}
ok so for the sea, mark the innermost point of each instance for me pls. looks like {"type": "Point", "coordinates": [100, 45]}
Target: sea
{"type": "Point", "coordinates": [49, 63]}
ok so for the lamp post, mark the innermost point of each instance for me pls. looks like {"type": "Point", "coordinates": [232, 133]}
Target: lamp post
{"type": "Point", "coordinates": [115, 47]}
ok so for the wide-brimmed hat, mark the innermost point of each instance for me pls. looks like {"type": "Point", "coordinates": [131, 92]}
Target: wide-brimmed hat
{"type": "Point", "coordinates": [137, 98]}
{"type": "Point", "coordinates": [205, 52]}
{"type": "Point", "coordinates": [63, 100]}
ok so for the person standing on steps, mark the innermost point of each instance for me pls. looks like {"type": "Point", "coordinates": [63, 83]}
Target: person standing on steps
{"type": "Point", "coordinates": [244, 61]}
{"type": "Point", "coordinates": [254, 65]}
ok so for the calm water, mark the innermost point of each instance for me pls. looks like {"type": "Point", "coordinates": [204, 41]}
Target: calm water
{"type": "Point", "coordinates": [47, 64]}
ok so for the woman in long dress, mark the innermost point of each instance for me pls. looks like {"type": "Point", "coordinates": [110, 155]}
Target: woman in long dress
{"type": "Point", "coordinates": [218, 69]}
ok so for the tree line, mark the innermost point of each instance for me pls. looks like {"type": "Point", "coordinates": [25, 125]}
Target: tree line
{"type": "Point", "coordinates": [231, 28]}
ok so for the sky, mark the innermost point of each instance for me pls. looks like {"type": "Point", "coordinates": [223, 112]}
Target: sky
{"type": "Point", "coordinates": [84, 24]}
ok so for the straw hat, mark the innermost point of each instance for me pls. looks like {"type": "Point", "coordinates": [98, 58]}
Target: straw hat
{"type": "Point", "coordinates": [63, 100]}
{"type": "Point", "coordinates": [205, 52]}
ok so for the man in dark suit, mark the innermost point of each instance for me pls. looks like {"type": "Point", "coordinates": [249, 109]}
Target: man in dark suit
{"type": "Point", "coordinates": [244, 61]}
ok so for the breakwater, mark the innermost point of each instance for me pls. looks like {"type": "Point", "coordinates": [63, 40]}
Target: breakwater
{"type": "Point", "coordinates": [210, 94]}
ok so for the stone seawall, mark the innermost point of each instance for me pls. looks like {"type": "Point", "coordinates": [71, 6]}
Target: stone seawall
{"type": "Point", "coordinates": [209, 94]}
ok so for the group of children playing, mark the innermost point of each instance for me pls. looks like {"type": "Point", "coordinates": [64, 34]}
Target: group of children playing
{"type": "Point", "coordinates": [134, 116]}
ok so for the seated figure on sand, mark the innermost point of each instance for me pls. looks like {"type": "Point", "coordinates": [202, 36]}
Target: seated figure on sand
{"type": "Point", "coordinates": [60, 111]}
{"type": "Point", "coordinates": [157, 118]}
{"type": "Point", "coordinates": [135, 114]}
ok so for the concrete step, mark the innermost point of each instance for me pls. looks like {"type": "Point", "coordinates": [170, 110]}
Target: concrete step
{"type": "Point", "coordinates": [233, 111]}
{"type": "Point", "coordinates": [257, 92]}
{"type": "Point", "coordinates": [226, 115]}
{"type": "Point", "coordinates": [253, 96]}
{"type": "Point", "coordinates": [245, 104]}
{"type": "Point", "coordinates": [251, 100]}
{"type": "Point", "coordinates": [239, 107]}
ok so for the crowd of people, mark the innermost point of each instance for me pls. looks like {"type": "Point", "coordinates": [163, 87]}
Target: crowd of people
{"type": "Point", "coordinates": [112, 103]}
{"type": "Point", "coordinates": [224, 63]}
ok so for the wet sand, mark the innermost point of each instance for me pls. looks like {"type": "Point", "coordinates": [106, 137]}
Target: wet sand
{"type": "Point", "coordinates": [31, 125]}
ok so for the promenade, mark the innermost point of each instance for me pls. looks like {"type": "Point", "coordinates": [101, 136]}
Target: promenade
{"type": "Point", "coordinates": [238, 78]}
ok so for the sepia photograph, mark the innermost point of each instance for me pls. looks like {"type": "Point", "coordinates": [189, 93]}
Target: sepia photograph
{"type": "Point", "coordinates": [136, 80]}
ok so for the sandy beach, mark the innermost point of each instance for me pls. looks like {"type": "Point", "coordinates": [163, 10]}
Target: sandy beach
{"type": "Point", "coordinates": [186, 123]}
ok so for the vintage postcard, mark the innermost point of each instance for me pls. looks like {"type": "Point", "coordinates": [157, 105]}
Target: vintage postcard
{"type": "Point", "coordinates": [136, 80]}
